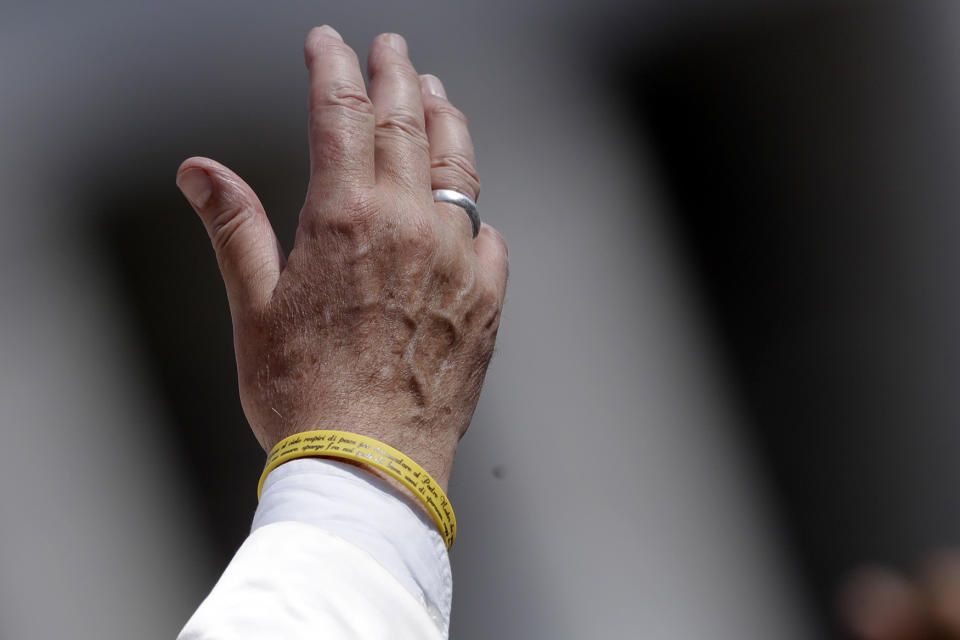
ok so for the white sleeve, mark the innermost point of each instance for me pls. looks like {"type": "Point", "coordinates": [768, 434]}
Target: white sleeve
{"type": "Point", "coordinates": [334, 553]}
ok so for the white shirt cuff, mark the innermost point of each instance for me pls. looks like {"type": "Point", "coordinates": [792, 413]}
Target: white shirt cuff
{"type": "Point", "coordinates": [365, 511]}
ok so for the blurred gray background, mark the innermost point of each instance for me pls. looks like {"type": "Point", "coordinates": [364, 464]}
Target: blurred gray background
{"type": "Point", "coordinates": [726, 368]}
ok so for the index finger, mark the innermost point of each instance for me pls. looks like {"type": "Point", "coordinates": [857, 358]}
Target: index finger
{"type": "Point", "coordinates": [341, 115]}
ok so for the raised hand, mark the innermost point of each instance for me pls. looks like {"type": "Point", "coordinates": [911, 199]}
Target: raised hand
{"type": "Point", "coordinates": [382, 320]}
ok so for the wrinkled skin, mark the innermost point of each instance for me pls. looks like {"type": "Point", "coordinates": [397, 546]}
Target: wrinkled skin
{"type": "Point", "coordinates": [383, 318]}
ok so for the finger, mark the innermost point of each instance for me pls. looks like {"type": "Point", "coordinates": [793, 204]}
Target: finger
{"type": "Point", "coordinates": [247, 249]}
{"type": "Point", "coordinates": [402, 149]}
{"type": "Point", "coordinates": [341, 115]}
{"type": "Point", "coordinates": [942, 584]}
{"type": "Point", "coordinates": [452, 161]}
{"type": "Point", "coordinates": [491, 251]}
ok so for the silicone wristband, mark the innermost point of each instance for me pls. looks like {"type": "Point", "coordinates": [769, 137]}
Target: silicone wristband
{"type": "Point", "coordinates": [352, 446]}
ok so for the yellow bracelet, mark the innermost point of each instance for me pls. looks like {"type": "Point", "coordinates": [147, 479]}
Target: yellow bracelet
{"type": "Point", "coordinates": [342, 444]}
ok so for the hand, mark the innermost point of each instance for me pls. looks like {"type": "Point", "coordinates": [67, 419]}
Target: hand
{"type": "Point", "coordinates": [880, 604]}
{"type": "Point", "coordinates": [383, 319]}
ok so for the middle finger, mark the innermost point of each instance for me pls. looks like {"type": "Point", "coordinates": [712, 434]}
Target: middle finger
{"type": "Point", "coordinates": [402, 147]}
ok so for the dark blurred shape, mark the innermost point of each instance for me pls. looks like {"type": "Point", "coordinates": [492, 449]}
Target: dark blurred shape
{"type": "Point", "coordinates": [879, 604]}
{"type": "Point", "coordinates": [812, 158]}
{"type": "Point", "coordinates": [184, 325]}
{"type": "Point", "coordinates": [153, 245]}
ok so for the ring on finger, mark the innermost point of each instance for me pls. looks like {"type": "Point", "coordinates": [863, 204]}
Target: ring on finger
{"type": "Point", "coordinates": [463, 201]}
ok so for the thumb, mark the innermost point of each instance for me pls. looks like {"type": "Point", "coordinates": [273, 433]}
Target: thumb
{"type": "Point", "coordinates": [247, 249]}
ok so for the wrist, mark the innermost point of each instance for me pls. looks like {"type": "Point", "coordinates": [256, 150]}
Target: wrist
{"type": "Point", "coordinates": [374, 455]}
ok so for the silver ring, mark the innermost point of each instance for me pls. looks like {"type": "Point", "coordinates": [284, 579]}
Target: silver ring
{"type": "Point", "coordinates": [457, 198]}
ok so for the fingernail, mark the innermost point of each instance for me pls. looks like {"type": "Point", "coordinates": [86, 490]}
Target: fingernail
{"type": "Point", "coordinates": [329, 31]}
{"type": "Point", "coordinates": [396, 42]}
{"type": "Point", "coordinates": [196, 186]}
{"type": "Point", "coordinates": [433, 85]}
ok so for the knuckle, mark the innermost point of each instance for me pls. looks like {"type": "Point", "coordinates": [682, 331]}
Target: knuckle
{"type": "Point", "coordinates": [455, 170]}
{"type": "Point", "coordinates": [406, 124]}
{"type": "Point", "coordinates": [350, 215]}
{"type": "Point", "coordinates": [350, 98]}
{"type": "Point", "coordinates": [225, 225]}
